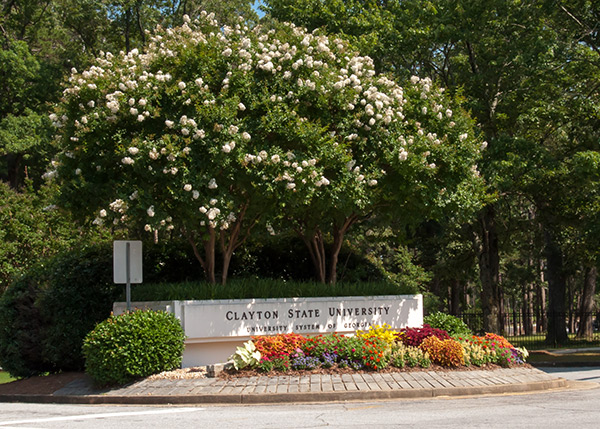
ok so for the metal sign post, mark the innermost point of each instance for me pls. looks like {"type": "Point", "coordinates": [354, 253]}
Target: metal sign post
{"type": "Point", "coordinates": [129, 252]}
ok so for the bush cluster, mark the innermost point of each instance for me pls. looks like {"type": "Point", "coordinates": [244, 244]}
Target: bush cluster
{"type": "Point", "coordinates": [46, 313]}
{"type": "Point", "coordinates": [451, 324]}
{"type": "Point", "coordinates": [415, 336]}
{"type": "Point", "coordinates": [133, 345]}
{"type": "Point", "coordinates": [447, 353]}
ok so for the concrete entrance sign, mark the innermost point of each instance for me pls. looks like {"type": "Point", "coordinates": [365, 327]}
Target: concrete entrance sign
{"type": "Point", "coordinates": [215, 328]}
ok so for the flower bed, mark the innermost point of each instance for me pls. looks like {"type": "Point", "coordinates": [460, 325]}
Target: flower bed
{"type": "Point", "coordinates": [378, 349]}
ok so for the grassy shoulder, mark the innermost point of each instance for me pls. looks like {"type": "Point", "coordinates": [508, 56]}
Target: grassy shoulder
{"type": "Point", "coordinates": [560, 357]}
{"type": "Point", "coordinates": [5, 377]}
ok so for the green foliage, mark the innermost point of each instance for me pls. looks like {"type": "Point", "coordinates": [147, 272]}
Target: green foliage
{"type": "Point", "coordinates": [451, 324]}
{"type": "Point", "coordinates": [80, 294]}
{"type": "Point", "coordinates": [132, 345]}
{"type": "Point", "coordinates": [46, 313]}
{"type": "Point", "coordinates": [22, 326]}
{"type": "Point", "coordinates": [31, 228]}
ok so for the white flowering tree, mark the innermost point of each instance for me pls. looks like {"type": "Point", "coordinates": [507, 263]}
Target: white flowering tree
{"type": "Point", "coordinates": [214, 128]}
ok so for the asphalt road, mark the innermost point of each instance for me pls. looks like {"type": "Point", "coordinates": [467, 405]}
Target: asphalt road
{"type": "Point", "coordinates": [573, 407]}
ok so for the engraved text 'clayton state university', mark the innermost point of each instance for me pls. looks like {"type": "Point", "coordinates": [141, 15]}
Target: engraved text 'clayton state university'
{"type": "Point", "coordinates": [309, 313]}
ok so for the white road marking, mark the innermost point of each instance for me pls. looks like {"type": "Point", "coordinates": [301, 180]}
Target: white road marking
{"type": "Point", "coordinates": [101, 416]}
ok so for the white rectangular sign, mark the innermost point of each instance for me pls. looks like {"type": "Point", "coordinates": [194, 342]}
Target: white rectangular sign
{"type": "Point", "coordinates": [120, 261]}
{"type": "Point", "coordinates": [239, 318]}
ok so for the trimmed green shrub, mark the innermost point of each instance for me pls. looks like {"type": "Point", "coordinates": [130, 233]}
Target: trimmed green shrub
{"type": "Point", "coordinates": [132, 345]}
{"type": "Point", "coordinates": [451, 324]}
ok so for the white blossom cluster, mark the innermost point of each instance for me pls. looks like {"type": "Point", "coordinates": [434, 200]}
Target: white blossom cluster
{"type": "Point", "coordinates": [201, 138]}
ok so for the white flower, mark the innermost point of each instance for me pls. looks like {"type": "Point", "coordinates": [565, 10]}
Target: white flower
{"type": "Point", "coordinates": [202, 210]}
{"type": "Point", "coordinates": [102, 213]}
{"type": "Point", "coordinates": [463, 136]}
{"type": "Point", "coordinates": [484, 145]}
{"type": "Point", "coordinates": [147, 228]}
{"type": "Point", "coordinates": [199, 81]}
{"type": "Point", "coordinates": [131, 101]}
{"type": "Point", "coordinates": [403, 155]}
{"type": "Point", "coordinates": [275, 159]}
{"type": "Point", "coordinates": [424, 110]}
{"type": "Point", "coordinates": [241, 107]}
{"type": "Point", "coordinates": [372, 182]}
{"type": "Point", "coordinates": [142, 102]}
{"type": "Point", "coordinates": [290, 185]}
{"type": "Point", "coordinates": [212, 184]}
{"type": "Point", "coordinates": [226, 148]}
{"type": "Point", "coordinates": [414, 79]}
{"type": "Point", "coordinates": [195, 194]}
{"type": "Point", "coordinates": [213, 201]}
{"type": "Point", "coordinates": [127, 161]}
{"type": "Point", "coordinates": [185, 131]}
{"type": "Point", "coordinates": [77, 171]}
{"type": "Point", "coordinates": [133, 150]}
{"type": "Point", "coordinates": [91, 103]}
{"type": "Point", "coordinates": [213, 213]}
{"type": "Point", "coordinates": [169, 124]}
{"type": "Point", "coordinates": [150, 211]}
{"type": "Point", "coordinates": [227, 52]}
{"type": "Point", "coordinates": [246, 136]}
{"type": "Point", "coordinates": [449, 113]}
{"type": "Point", "coordinates": [140, 118]}
{"type": "Point", "coordinates": [187, 187]}
{"type": "Point", "coordinates": [181, 85]}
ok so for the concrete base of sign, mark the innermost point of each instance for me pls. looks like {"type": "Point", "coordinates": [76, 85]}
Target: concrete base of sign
{"type": "Point", "coordinates": [215, 328]}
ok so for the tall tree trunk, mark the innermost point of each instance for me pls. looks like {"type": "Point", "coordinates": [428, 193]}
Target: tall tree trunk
{"type": "Point", "coordinates": [455, 297]}
{"type": "Point", "coordinates": [227, 248]}
{"type": "Point", "coordinates": [316, 249]}
{"type": "Point", "coordinates": [586, 308]}
{"type": "Point", "coordinates": [338, 241]}
{"type": "Point", "coordinates": [489, 263]}
{"type": "Point", "coordinates": [557, 288]}
{"type": "Point", "coordinates": [208, 260]}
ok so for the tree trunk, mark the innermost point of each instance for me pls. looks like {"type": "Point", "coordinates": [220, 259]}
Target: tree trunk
{"type": "Point", "coordinates": [489, 262]}
{"type": "Point", "coordinates": [209, 258]}
{"type": "Point", "coordinates": [316, 249]}
{"type": "Point", "coordinates": [542, 321]}
{"type": "Point", "coordinates": [528, 309]}
{"type": "Point", "coordinates": [557, 288]}
{"type": "Point", "coordinates": [455, 297]}
{"type": "Point", "coordinates": [338, 240]}
{"type": "Point", "coordinates": [586, 308]}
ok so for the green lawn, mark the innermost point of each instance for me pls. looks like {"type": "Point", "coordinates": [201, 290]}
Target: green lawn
{"type": "Point", "coordinates": [5, 377]}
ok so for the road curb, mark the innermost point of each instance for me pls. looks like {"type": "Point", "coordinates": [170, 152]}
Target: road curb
{"type": "Point", "coordinates": [270, 398]}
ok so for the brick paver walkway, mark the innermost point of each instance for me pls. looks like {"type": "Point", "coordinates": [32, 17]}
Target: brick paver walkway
{"type": "Point", "coordinates": [312, 387]}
